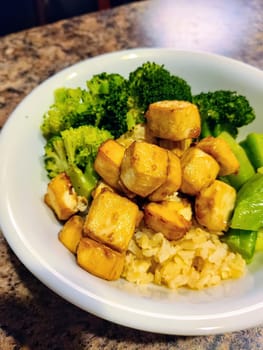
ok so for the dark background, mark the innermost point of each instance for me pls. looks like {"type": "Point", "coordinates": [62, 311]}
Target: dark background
{"type": "Point", "coordinates": [16, 15]}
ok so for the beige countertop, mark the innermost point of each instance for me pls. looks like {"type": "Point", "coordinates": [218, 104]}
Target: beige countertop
{"type": "Point", "coordinates": [31, 316]}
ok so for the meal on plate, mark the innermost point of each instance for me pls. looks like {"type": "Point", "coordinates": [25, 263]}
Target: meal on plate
{"type": "Point", "coordinates": [150, 182]}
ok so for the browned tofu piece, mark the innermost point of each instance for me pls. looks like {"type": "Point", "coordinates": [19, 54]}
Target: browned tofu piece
{"type": "Point", "coordinates": [177, 147]}
{"type": "Point", "coordinates": [108, 161]}
{"type": "Point", "coordinates": [172, 218]}
{"type": "Point", "coordinates": [111, 220]}
{"type": "Point", "coordinates": [199, 169]}
{"type": "Point", "coordinates": [220, 150]}
{"type": "Point", "coordinates": [214, 205]}
{"type": "Point", "coordinates": [62, 198]}
{"type": "Point", "coordinates": [173, 179]}
{"type": "Point", "coordinates": [101, 186]}
{"type": "Point", "coordinates": [144, 168]}
{"type": "Point", "coordinates": [139, 218]}
{"type": "Point", "coordinates": [99, 260]}
{"type": "Point", "coordinates": [126, 191]}
{"type": "Point", "coordinates": [71, 233]}
{"type": "Point", "coordinates": [173, 120]}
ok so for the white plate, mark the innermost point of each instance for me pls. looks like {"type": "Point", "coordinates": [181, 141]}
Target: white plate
{"type": "Point", "coordinates": [31, 230]}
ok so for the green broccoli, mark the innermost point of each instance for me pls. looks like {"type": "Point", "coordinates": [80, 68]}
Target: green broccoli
{"type": "Point", "coordinates": [55, 156]}
{"type": "Point", "coordinates": [223, 110]}
{"type": "Point", "coordinates": [109, 90]}
{"type": "Point", "coordinates": [71, 108]}
{"type": "Point", "coordinates": [102, 104]}
{"type": "Point", "coordinates": [74, 152]}
{"type": "Point", "coordinates": [113, 102]}
{"type": "Point", "coordinates": [150, 83]}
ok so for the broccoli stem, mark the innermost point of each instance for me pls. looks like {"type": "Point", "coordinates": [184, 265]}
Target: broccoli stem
{"type": "Point", "coordinates": [205, 130]}
{"type": "Point", "coordinates": [82, 183]}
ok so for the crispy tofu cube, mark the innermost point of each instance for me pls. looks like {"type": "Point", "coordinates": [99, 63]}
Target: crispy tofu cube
{"type": "Point", "coordinates": [220, 150]}
{"type": "Point", "coordinates": [173, 120]}
{"type": "Point", "coordinates": [172, 218]}
{"type": "Point", "coordinates": [214, 205]}
{"type": "Point", "coordinates": [173, 179]}
{"type": "Point", "coordinates": [126, 191]}
{"type": "Point", "coordinates": [62, 198]}
{"type": "Point", "coordinates": [177, 147]}
{"type": "Point", "coordinates": [199, 170]}
{"type": "Point", "coordinates": [101, 186]}
{"type": "Point", "coordinates": [111, 220]}
{"type": "Point", "coordinates": [144, 168]}
{"type": "Point", "coordinates": [139, 218]}
{"type": "Point", "coordinates": [99, 260]}
{"type": "Point", "coordinates": [71, 233]}
{"type": "Point", "coordinates": [108, 161]}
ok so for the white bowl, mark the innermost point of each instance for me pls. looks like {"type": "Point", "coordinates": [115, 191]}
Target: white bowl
{"type": "Point", "coordinates": [31, 229]}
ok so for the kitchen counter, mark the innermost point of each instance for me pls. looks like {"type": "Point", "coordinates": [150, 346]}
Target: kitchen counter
{"type": "Point", "coordinates": [31, 316]}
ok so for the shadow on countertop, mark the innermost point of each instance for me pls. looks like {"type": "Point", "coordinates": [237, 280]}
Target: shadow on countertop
{"type": "Point", "coordinates": [32, 317]}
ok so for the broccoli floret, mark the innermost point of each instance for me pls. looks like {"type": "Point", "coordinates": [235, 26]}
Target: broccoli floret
{"type": "Point", "coordinates": [102, 84]}
{"type": "Point", "coordinates": [223, 110]}
{"type": "Point", "coordinates": [102, 104]}
{"type": "Point", "coordinates": [71, 108]}
{"type": "Point", "coordinates": [55, 156]}
{"type": "Point", "coordinates": [113, 102]}
{"type": "Point", "coordinates": [125, 101]}
{"type": "Point", "coordinates": [150, 83]}
{"type": "Point", "coordinates": [74, 152]}
{"type": "Point", "coordinates": [110, 92]}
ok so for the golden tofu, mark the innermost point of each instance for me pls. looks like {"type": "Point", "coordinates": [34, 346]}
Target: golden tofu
{"type": "Point", "coordinates": [71, 233]}
{"type": "Point", "coordinates": [177, 147]}
{"type": "Point", "coordinates": [111, 220]}
{"type": "Point", "coordinates": [173, 120]}
{"type": "Point", "coordinates": [101, 186]}
{"type": "Point", "coordinates": [126, 191]}
{"type": "Point", "coordinates": [172, 218]}
{"type": "Point", "coordinates": [100, 260]}
{"type": "Point", "coordinates": [108, 161]}
{"type": "Point", "coordinates": [139, 218]}
{"type": "Point", "coordinates": [220, 150]}
{"type": "Point", "coordinates": [144, 168]}
{"type": "Point", "coordinates": [62, 198]}
{"type": "Point", "coordinates": [199, 170]}
{"type": "Point", "coordinates": [214, 205]}
{"type": "Point", "coordinates": [138, 133]}
{"type": "Point", "coordinates": [173, 179]}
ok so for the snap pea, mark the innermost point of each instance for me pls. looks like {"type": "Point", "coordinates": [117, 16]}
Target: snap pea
{"type": "Point", "coordinates": [242, 242]}
{"type": "Point", "coordinates": [246, 169]}
{"type": "Point", "coordinates": [248, 212]}
{"type": "Point", "coordinates": [253, 146]}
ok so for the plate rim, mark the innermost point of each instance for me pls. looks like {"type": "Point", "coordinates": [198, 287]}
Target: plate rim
{"type": "Point", "coordinates": [53, 284]}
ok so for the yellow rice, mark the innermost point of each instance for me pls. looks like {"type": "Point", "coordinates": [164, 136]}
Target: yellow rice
{"type": "Point", "coordinates": [197, 261]}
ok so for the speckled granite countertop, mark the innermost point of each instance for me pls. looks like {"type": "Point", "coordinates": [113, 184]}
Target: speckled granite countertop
{"type": "Point", "coordinates": [31, 316]}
